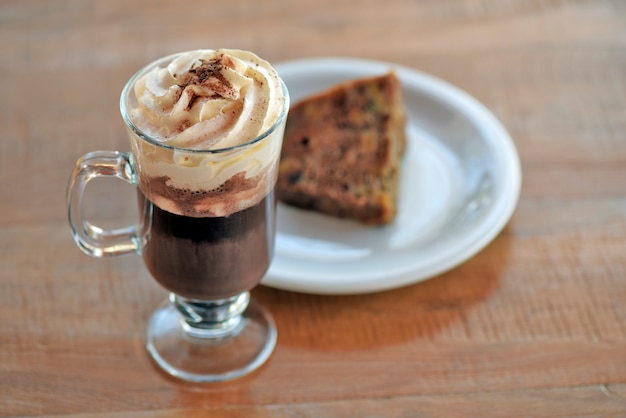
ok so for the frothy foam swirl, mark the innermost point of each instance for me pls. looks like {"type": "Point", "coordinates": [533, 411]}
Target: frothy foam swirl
{"type": "Point", "coordinates": [207, 100]}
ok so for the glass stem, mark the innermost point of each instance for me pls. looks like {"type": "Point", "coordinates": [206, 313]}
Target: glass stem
{"type": "Point", "coordinates": [211, 318]}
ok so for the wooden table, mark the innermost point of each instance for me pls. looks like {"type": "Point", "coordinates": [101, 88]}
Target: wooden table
{"type": "Point", "coordinates": [534, 325]}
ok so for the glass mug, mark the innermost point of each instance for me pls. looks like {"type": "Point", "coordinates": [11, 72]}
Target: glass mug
{"type": "Point", "coordinates": [209, 329]}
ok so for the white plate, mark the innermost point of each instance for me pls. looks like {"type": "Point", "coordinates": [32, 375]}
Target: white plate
{"type": "Point", "coordinates": [460, 185]}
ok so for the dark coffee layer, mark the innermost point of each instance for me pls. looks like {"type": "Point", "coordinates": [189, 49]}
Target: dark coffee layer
{"type": "Point", "coordinates": [211, 257]}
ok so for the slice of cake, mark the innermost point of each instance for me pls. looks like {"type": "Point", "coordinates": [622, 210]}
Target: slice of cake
{"type": "Point", "coordinates": [342, 150]}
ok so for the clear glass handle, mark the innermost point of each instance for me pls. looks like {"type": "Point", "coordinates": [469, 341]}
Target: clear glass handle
{"type": "Point", "coordinates": [92, 239]}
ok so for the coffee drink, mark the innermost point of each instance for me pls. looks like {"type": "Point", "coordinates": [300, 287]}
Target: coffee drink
{"type": "Point", "coordinates": [206, 130]}
{"type": "Point", "coordinates": [211, 125]}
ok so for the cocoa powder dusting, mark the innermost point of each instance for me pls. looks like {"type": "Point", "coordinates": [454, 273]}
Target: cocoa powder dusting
{"type": "Point", "coordinates": [209, 74]}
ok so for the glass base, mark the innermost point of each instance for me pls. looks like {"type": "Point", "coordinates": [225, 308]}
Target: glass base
{"type": "Point", "coordinates": [196, 354]}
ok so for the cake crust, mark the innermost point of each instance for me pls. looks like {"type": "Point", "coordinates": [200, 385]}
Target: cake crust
{"type": "Point", "coordinates": [342, 151]}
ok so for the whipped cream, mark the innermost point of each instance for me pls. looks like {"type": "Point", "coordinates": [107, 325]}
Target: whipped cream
{"type": "Point", "coordinates": [202, 110]}
{"type": "Point", "coordinates": [207, 99]}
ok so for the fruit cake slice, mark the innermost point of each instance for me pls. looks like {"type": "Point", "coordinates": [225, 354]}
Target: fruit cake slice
{"type": "Point", "coordinates": [342, 150]}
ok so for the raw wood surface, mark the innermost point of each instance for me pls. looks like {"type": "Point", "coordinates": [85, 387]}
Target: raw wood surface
{"type": "Point", "coordinates": [534, 325]}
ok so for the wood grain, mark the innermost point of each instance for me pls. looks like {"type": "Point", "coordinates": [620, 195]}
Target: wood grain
{"type": "Point", "coordinates": [534, 325]}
